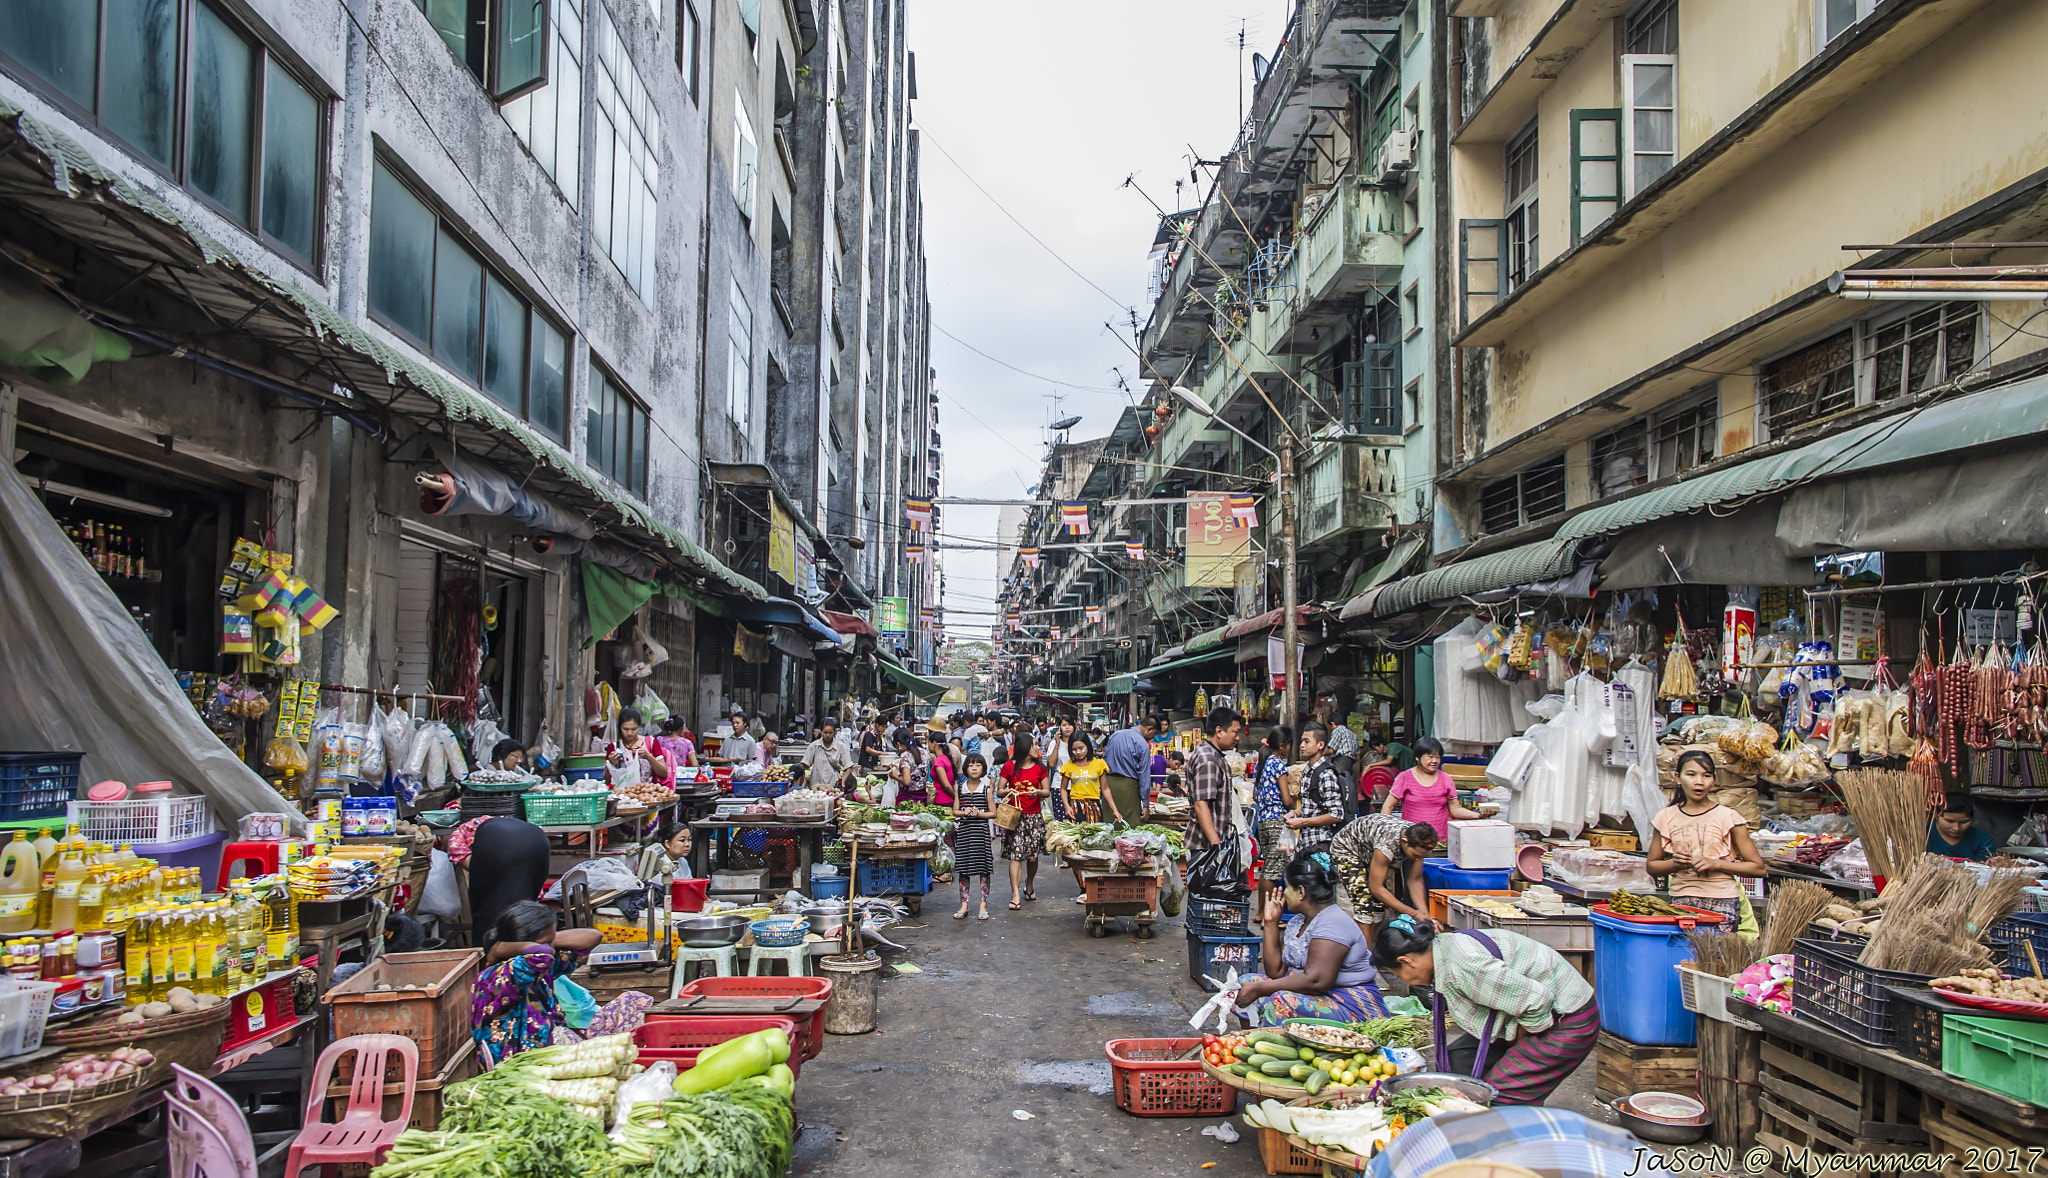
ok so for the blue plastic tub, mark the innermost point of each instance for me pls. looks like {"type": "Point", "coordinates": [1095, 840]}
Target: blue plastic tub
{"type": "Point", "coordinates": [828, 887]}
{"type": "Point", "coordinates": [1440, 875]}
{"type": "Point", "coordinates": [596, 774]}
{"type": "Point", "coordinates": [1636, 982]}
{"type": "Point", "coordinates": [202, 852]}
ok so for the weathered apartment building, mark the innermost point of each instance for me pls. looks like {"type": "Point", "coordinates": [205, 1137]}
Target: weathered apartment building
{"type": "Point", "coordinates": [634, 287]}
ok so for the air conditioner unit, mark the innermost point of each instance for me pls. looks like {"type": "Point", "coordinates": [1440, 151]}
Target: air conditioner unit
{"type": "Point", "coordinates": [1180, 539]}
{"type": "Point", "coordinates": [1397, 155]}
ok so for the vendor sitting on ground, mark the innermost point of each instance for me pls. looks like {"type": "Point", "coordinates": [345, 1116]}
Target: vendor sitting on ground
{"type": "Point", "coordinates": [667, 855]}
{"type": "Point", "coordinates": [517, 1006]}
{"type": "Point", "coordinates": [1378, 861]}
{"type": "Point", "coordinates": [1530, 1008]}
{"type": "Point", "coordinates": [1320, 967]}
{"type": "Point", "coordinates": [1701, 845]}
{"type": "Point", "coordinates": [1954, 832]}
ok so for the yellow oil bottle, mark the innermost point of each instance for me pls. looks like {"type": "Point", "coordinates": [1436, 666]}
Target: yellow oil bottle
{"type": "Point", "coordinates": [46, 849]}
{"type": "Point", "coordinates": [46, 857]}
{"type": "Point", "coordinates": [182, 936]}
{"type": "Point", "coordinates": [92, 900]}
{"type": "Point", "coordinates": [254, 919]}
{"type": "Point", "coordinates": [126, 854]}
{"type": "Point", "coordinates": [21, 883]}
{"type": "Point", "coordinates": [231, 947]}
{"type": "Point", "coordinates": [209, 952]}
{"type": "Point", "coordinates": [135, 958]}
{"type": "Point", "coordinates": [161, 932]}
{"type": "Point", "coordinates": [71, 872]}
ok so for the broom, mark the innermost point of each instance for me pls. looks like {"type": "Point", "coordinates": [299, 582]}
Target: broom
{"type": "Point", "coordinates": [1890, 809]}
{"type": "Point", "coordinates": [1794, 906]}
{"type": "Point", "coordinates": [1722, 954]}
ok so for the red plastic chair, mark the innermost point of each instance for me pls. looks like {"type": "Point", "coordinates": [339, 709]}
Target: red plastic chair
{"type": "Point", "coordinates": [205, 1133]}
{"type": "Point", "coordinates": [362, 1134]}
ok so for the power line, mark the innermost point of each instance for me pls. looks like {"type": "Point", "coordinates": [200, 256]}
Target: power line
{"type": "Point", "coordinates": [1019, 371]}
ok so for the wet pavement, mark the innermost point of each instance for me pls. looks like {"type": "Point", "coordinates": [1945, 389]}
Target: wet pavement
{"type": "Point", "coordinates": [1010, 1015]}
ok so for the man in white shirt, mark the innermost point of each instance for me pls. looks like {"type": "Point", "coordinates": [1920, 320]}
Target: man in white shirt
{"type": "Point", "coordinates": [825, 760]}
{"type": "Point", "coordinates": [739, 746]}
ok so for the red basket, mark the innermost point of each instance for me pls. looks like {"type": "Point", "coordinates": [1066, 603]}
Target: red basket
{"type": "Point", "coordinates": [1152, 1080]}
{"type": "Point", "coordinates": [766, 987]}
{"type": "Point", "coordinates": [1120, 889]}
{"type": "Point", "coordinates": [680, 1040]}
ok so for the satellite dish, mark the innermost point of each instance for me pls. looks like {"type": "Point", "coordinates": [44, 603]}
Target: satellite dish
{"type": "Point", "coordinates": [1260, 67]}
{"type": "Point", "coordinates": [1066, 423]}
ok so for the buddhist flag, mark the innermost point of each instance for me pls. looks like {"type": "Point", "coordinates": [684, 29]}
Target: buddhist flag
{"type": "Point", "coordinates": [919, 513]}
{"type": "Point", "coordinates": [914, 552]}
{"type": "Point", "coordinates": [1055, 633]}
{"type": "Point", "coordinates": [1074, 514]}
{"type": "Point", "coordinates": [1245, 509]}
{"type": "Point", "coordinates": [1014, 620]}
{"type": "Point", "coordinates": [1093, 613]}
{"type": "Point", "coordinates": [1030, 556]}
{"type": "Point", "coordinates": [995, 634]}
{"type": "Point", "coordinates": [1136, 551]}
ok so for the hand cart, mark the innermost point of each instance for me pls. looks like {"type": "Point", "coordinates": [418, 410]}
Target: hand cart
{"type": "Point", "coordinates": [1111, 894]}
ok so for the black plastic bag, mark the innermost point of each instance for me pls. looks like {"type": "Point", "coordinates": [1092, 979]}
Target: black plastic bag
{"type": "Point", "coordinates": [1220, 872]}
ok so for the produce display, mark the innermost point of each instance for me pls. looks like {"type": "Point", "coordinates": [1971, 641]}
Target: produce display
{"type": "Point", "coordinates": [1398, 1030]}
{"type": "Point", "coordinates": [1334, 1038]}
{"type": "Point", "coordinates": [646, 793]}
{"type": "Point", "coordinates": [1627, 903]}
{"type": "Point", "coordinates": [1990, 983]}
{"type": "Point", "coordinates": [87, 1071]}
{"type": "Point", "coordinates": [500, 777]}
{"type": "Point", "coordinates": [1277, 1059]}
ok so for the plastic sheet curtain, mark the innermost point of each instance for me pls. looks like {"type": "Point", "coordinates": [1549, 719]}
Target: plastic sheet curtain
{"type": "Point", "coordinates": [77, 674]}
{"type": "Point", "coordinates": [1472, 705]}
{"type": "Point", "coordinates": [1595, 748]}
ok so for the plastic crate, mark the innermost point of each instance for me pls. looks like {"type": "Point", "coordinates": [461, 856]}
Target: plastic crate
{"type": "Point", "coordinates": [1152, 1080]}
{"type": "Point", "coordinates": [1834, 989]}
{"type": "Point", "coordinates": [489, 805]}
{"type": "Point", "coordinates": [759, 789]}
{"type": "Point", "coordinates": [768, 987]}
{"type": "Point", "coordinates": [435, 1014]}
{"type": "Point", "coordinates": [1999, 1054]}
{"type": "Point", "coordinates": [565, 809]}
{"type": "Point", "coordinates": [24, 1008]}
{"type": "Point", "coordinates": [1916, 1023]}
{"type": "Point", "coordinates": [906, 877]}
{"type": "Point", "coordinates": [2013, 933]}
{"type": "Point", "coordinates": [37, 785]}
{"type": "Point", "coordinates": [1707, 995]}
{"type": "Point", "coordinates": [681, 1040]}
{"type": "Point", "coordinates": [1120, 889]}
{"type": "Point", "coordinates": [1218, 955]}
{"type": "Point", "coordinates": [143, 820]}
{"type": "Point", "coordinates": [1219, 918]}
{"type": "Point", "coordinates": [1284, 1157]}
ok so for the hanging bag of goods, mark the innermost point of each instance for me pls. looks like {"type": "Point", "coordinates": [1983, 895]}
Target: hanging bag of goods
{"type": "Point", "coordinates": [1681, 679]}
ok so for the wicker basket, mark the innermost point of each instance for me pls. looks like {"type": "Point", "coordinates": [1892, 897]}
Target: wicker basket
{"type": "Point", "coordinates": [192, 1039]}
{"type": "Point", "coordinates": [54, 1114]}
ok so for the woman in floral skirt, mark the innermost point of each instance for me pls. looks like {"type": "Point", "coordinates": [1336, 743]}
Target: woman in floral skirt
{"type": "Point", "coordinates": [516, 1007]}
{"type": "Point", "coordinates": [1024, 786]}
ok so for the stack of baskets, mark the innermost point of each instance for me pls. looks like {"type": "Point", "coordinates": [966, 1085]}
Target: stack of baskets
{"type": "Point", "coordinates": [493, 799]}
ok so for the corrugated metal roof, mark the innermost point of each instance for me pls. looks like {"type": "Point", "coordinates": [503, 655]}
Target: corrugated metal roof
{"type": "Point", "coordinates": [1367, 588]}
{"type": "Point", "coordinates": [1500, 570]}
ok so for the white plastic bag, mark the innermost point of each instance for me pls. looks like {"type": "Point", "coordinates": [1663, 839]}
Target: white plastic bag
{"type": "Point", "coordinates": [626, 772]}
{"type": "Point", "coordinates": [451, 751]}
{"type": "Point", "coordinates": [442, 896]}
{"type": "Point", "coordinates": [546, 753]}
{"type": "Point", "coordinates": [657, 1083]}
{"type": "Point", "coordinates": [652, 710]}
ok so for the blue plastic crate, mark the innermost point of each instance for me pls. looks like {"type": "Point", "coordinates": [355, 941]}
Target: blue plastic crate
{"type": "Point", "coordinates": [1219, 918]}
{"type": "Point", "coordinates": [909, 877]}
{"type": "Point", "coordinates": [759, 789]}
{"type": "Point", "coordinates": [37, 785]}
{"type": "Point", "coordinates": [1217, 956]}
{"type": "Point", "coordinates": [2013, 932]}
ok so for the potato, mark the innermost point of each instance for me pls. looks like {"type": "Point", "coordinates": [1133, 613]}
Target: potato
{"type": "Point", "coordinates": [176, 992]}
{"type": "Point", "coordinates": [209, 1001]}
{"type": "Point", "coordinates": [157, 1010]}
{"type": "Point", "coordinates": [128, 1018]}
{"type": "Point", "coordinates": [184, 1003]}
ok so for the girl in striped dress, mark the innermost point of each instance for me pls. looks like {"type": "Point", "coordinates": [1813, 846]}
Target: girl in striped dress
{"type": "Point", "coordinates": [974, 804]}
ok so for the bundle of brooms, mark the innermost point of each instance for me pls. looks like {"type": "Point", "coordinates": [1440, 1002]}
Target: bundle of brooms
{"type": "Point", "coordinates": [1890, 809]}
{"type": "Point", "coordinates": [1936, 913]}
{"type": "Point", "coordinates": [1794, 906]}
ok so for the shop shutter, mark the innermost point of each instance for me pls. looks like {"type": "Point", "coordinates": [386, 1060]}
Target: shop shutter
{"type": "Point", "coordinates": [416, 588]}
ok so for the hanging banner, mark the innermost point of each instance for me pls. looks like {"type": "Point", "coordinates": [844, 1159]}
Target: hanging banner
{"type": "Point", "coordinates": [1276, 662]}
{"type": "Point", "coordinates": [995, 634]}
{"type": "Point", "coordinates": [914, 553]}
{"type": "Point", "coordinates": [1030, 556]}
{"type": "Point", "coordinates": [892, 616]}
{"type": "Point", "coordinates": [1055, 633]}
{"type": "Point", "coordinates": [919, 513]}
{"type": "Point", "coordinates": [1217, 541]}
{"type": "Point", "coordinates": [1250, 582]}
{"type": "Point", "coordinates": [926, 615]}
{"type": "Point", "coordinates": [806, 568]}
{"type": "Point", "coordinates": [781, 542]}
{"type": "Point", "coordinates": [1093, 613]}
{"type": "Point", "coordinates": [1074, 515]}
{"type": "Point", "coordinates": [1134, 551]}
{"type": "Point", "coordinates": [1245, 508]}
{"type": "Point", "coordinates": [1014, 620]}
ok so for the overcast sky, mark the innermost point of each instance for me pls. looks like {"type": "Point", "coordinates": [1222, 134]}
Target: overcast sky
{"type": "Point", "coordinates": [1049, 107]}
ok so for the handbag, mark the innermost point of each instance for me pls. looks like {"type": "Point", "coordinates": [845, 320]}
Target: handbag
{"type": "Point", "coordinates": [1008, 817]}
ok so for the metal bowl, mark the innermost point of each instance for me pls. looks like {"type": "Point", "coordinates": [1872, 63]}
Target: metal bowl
{"type": "Point", "coordinates": [710, 932]}
{"type": "Point", "coordinates": [1478, 1091]}
{"type": "Point", "coordinates": [1661, 1132]}
{"type": "Point", "coordinates": [827, 920]}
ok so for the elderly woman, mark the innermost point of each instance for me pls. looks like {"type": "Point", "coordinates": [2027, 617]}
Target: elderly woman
{"type": "Point", "coordinates": [1320, 967]}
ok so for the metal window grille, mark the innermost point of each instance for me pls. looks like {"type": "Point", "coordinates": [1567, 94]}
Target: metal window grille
{"type": "Point", "coordinates": [1816, 381]}
{"type": "Point", "coordinates": [1652, 27]}
{"type": "Point", "coordinates": [1621, 459]}
{"type": "Point", "coordinates": [1521, 498]}
{"type": "Point", "coordinates": [1684, 439]}
{"type": "Point", "coordinates": [1922, 350]}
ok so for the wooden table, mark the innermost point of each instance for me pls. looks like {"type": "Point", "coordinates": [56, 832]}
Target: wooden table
{"type": "Point", "coordinates": [810, 847]}
{"type": "Point", "coordinates": [1813, 875]}
{"type": "Point", "coordinates": [329, 939]}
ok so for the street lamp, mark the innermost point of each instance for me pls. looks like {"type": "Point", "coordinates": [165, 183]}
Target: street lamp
{"type": "Point", "coordinates": [1290, 588]}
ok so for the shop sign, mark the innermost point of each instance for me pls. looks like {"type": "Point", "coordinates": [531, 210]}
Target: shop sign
{"type": "Point", "coordinates": [892, 616]}
{"type": "Point", "coordinates": [781, 542]}
{"type": "Point", "coordinates": [1251, 589]}
{"type": "Point", "coordinates": [1982, 627]}
{"type": "Point", "coordinates": [806, 568]}
{"type": "Point", "coordinates": [1217, 541]}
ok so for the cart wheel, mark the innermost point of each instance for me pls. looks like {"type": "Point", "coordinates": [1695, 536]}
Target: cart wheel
{"type": "Point", "coordinates": [1145, 932]}
{"type": "Point", "coordinates": [1096, 930]}
{"type": "Point", "coordinates": [916, 903]}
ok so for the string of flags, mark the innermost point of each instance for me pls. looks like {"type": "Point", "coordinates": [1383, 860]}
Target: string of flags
{"type": "Point", "coordinates": [1135, 550]}
{"type": "Point", "coordinates": [1074, 515]}
{"type": "Point", "coordinates": [1093, 613]}
{"type": "Point", "coordinates": [919, 514]}
{"type": "Point", "coordinates": [1014, 619]}
{"type": "Point", "coordinates": [1055, 633]}
{"type": "Point", "coordinates": [914, 553]}
{"type": "Point", "coordinates": [1030, 556]}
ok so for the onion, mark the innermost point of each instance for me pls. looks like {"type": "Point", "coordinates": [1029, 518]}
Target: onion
{"type": "Point", "coordinates": [141, 1058]}
{"type": "Point", "coordinates": [42, 1081]}
{"type": "Point", "coordinates": [62, 1086]}
{"type": "Point", "coordinates": [123, 1054]}
{"type": "Point", "coordinates": [87, 1081]}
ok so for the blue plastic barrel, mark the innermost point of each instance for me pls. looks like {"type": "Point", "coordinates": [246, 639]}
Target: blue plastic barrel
{"type": "Point", "coordinates": [1636, 985]}
{"type": "Point", "coordinates": [1439, 875]}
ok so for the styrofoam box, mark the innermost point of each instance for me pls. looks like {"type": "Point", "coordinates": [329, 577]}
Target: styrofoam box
{"type": "Point", "coordinates": [1483, 844]}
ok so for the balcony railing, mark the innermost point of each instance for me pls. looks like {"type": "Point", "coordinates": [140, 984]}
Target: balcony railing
{"type": "Point", "coordinates": [1348, 486]}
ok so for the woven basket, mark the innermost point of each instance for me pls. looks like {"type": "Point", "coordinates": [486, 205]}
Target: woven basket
{"type": "Point", "coordinates": [57, 1113]}
{"type": "Point", "coordinates": [192, 1039]}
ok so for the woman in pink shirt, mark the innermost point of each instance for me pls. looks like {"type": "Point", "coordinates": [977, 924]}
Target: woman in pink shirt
{"type": "Point", "coordinates": [1425, 794]}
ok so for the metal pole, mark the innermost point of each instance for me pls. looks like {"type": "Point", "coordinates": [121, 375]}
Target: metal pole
{"type": "Point", "coordinates": [1289, 590]}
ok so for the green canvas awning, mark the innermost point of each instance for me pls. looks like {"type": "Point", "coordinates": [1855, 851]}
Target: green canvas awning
{"type": "Point", "coordinates": [1121, 684]}
{"type": "Point", "coordinates": [1541, 561]}
{"type": "Point", "coordinates": [912, 682]}
{"type": "Point", "coordinates": [1208, 640]}
{"type": "Point", "coordinates": [1069, 692]}
{"type": "Point", "coordinates": [1361, 596]}
{"type": "Point", "coordinates": [1187, 661]}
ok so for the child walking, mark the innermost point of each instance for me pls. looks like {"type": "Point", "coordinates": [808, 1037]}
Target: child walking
{"type": "Point", "coordinates": [974, 852]}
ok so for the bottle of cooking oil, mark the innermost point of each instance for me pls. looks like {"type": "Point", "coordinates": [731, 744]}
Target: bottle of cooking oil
{"type": "Point", "coordinates": [92, 900]}
{"type": "Point", "coordinates": [126, 854]}
{"type": "Point", "coordinates": [161, 932]}
{"type": "Point", "coordinates": [209, 955]}
{"type": "Point", "coordinates": [156, 881]}
{"type": "Point", "coordinates": [21, 884]}
{"type": "Point", "coordinates": [70, 873]}
{"type": "Point", "coordinates": [182, 935]}
{"type": "Point", "coordinates": [46, 849]}
{"type": "Point", "coordinates": [118, 904]}
{"type": "Point", "coordinates": [231, 947]}
{"type": "Point", "coordinates": [254, 919]}
{"type": "Point", "coordinates": [135, 957]}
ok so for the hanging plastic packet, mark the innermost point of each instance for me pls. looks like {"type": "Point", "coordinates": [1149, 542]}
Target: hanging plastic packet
{"type": "Point", "coordinates": [327, 749]}
{"type": "Point", "coordinates": [350, 767]}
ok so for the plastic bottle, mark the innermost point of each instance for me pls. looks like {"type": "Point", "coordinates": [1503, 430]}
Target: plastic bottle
{"type": "Point", "coordinates": [254, 920]}
{"type": "Point", "coordinates": [209, 956]}
{"type": "Point", "coordinates": [118, 883]}
{"type": "Point", "coordinates": [92, 899]}
{"type": "Point", "coordinates": [231, 947]}
{"type": "Point", "coordinates": [21, 883]}
{"type": "Point", "coordinates": [184, 936]}
{"type": "Point", "coordinates": [135, 959]}
{"type": "Point", "coordinates": [46, 850]}
{"type": "Point", "coordinates": [126, 854]}
{"type": "Point", "coordinates": [71, 872]}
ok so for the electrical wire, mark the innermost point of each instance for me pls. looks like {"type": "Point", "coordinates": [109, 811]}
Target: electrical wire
{"type": "Point", "coordinates": [1086, 388]}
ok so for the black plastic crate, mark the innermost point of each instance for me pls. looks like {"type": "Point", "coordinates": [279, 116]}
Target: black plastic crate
{"type": "Point", "coordinates": [2013, 933]}
{"type": "Point", "coordinates": [1220, 918]}
{"type": "Point", "coordinates": [1916, 1023]}
{"type": "Point", "coordinates": [1832, 988]}
{"type": "Point", "coordinates": [37, 785]}
{"type": "Point", "coordinates": [485, 804]}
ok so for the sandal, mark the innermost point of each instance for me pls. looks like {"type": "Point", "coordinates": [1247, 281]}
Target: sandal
{"type": "Point", "coordinates": [1031, 895]}
{"type": "Point", "coordinates": [1015, 907]}
{"type": "Point", "coordinates": [962, 914]}
{"type": "Point", "coordinates": [984, 916]}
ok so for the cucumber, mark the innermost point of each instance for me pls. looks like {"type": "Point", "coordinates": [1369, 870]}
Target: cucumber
{"type": "Point", "coordinates": [1289, 1081]}
{"type": "Point", "coordinates": [1239, 1069]}
{"type": "Point", "coordinates": [1260, 1060]}
{"type": "Point", "coordinates": [1301, 1071]}
{"type": "Point", "coordinates": [1316, 1080]}
{"type": "Point", "coordinates": [1268, 1037]}
{"type": "Point", "coordinates": [1278, 1067]}
{"type": "Point", "coordinates": [1243, 1050]}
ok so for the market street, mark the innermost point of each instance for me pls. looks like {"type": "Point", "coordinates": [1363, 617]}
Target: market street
{"type": "Point", "coordinates": [1010, 1014]}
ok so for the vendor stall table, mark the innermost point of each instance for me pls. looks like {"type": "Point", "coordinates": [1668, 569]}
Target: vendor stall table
{"type": "Point", "coordinates": [810, 847]}
{"type": "Point", "coordinates": [1776, 871]}
{"type": "Point", "coordinates": [329, 940]}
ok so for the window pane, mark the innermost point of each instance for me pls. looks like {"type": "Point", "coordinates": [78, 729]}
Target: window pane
{"type": "Point", "coordinates": [1648, 168]}
{"type": "Point", "coordinates": [1596, 178]}
{"type": "Point", "coordinates": [547, 388]}
{"type": "Point", "coordinates": [1596, 137]}
{"type": "Point", "coordinates": [291, 160]}
{"type": "Point", "coordinates": [1654, 130]}
{"type": "Point", "coordinates": [522, 51]}
{"type": "Point", "coordinates": [57, 39]}
{"type": "Point", "coordinates": [593, 421]}
{"type": "Point", "coordinates": [636, 473]}
{"type": "Point", "coordinates": [401, 256]}
{"type": "Point", "coordinates": [505, 318]}
{"type": "Point", "coordinates": [1840, 15]}
{"type": "Point", "coordinates": [1653, 86]}
{"type": "Point", "coordinates": [450, 18]}
{"type": "Point", "coordinates": [141, 99]}
{"type": "Point", "coordinates": [458, 298]}
{"type": "Point", "coordinates": [223, 99]}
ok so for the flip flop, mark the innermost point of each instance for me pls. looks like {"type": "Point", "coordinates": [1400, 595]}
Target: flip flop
{"type": "Point", "coordinates": [984, 916]}
{"type": "Point", "coordinates": [1032, 896]}
{"type": "Point", "coordinates": [1016, 907]}
{"type": "Point", "coordinates": [960, 915]}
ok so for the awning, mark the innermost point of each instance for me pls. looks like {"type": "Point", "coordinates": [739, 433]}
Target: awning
{"type": "Point", "coordinates": [781, 611]}
{"type": "Point", "coordinates": [1737, 549]}
{"type": "Point", "coordinates": [1994, 500]}
{"type": "Point", "coordinates": [1208, 640]}
{"type": "Point", "coordinates": [1270, 620]}
{"type": "Point", "coordinates": [1121, 684]}
{"type": "Point", "coordinates": [1539, 561]}
{"type": "Point", "coordinates": [916, 684]}
{"type": "Point", "coordinates": [1366, 587]}
{"type": "Point", "coordinates": [1189, 661]}
{"type": "Point", "coordinates": [1069, 692]}
{"type": "Point", "coordinates": [847, 623]}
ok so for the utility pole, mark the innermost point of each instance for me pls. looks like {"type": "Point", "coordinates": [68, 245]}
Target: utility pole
{"type": "Point", "coordinates": [1290, 590]}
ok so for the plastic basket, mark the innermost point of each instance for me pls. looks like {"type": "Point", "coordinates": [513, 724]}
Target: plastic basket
{"type": "Point", "coordinates": [1835, 990]}
{"type": "Point", "coordinates": [766, 988]}
{"type": "Point", "coordinates": [2013, 933]}
{"type": "Point", "coordinates": [1284, 1157]}
{"type": "Point", "coordinates": [1218, 955]}
{"type": "Point", "coordinates": [565, 809]}
{"type": "Point", "coordinates": [1707, 995]}
{"type": "Point", "coordinates": [1916, 1023]}
{"type": "Point", "coordinates": [780, 932]}
{"type": "Point", "coordinates": [681, 1040]}
{"type": "Point", "coordinates": [1120, 889]}
{"type": "Point", "coordinates": [1219, 918]}
{"type": "Point", "coordinates": [489, 805]}
{"type": "Point", "coordinates": [143, 820]}
{"type": "Point", "coordinates": [759, 789]}
{"type": "Point", "coordinates": [1152, 1080]}
{"type": "Point", "coordinates": [908, 877]}
{"type": "Point", "coordinates": [37, 785]}
{"type": "Point", "coordinates": [24, 1008]}
{"type": "Point", "coordinates": [1999, 1054]}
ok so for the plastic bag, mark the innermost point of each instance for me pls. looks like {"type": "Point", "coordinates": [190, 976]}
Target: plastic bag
{"type": "Point", "coordinates": [327, 752]}
{"type": "Point", "coordinates": [370, 763]}
{"type": "Point", "coordinates": [484, 736]}
{"type": "Point", "coordinates": [433, 756]}
{"type": "Point", "coordinates": [1218, 872]}
{"type": "Point", "coordinates": [442, 896]}
{"type": "Point", "coordinates": [577, 1005]}
{"type": "Point", "coordinates": [458, 768]}
{"type": "Point", "coordinates": [546, 752]}
{"type": "Point", "coordinates": [652, 710]}
{"type": "Point", "coordinates": [1171, 891]}
{"type": "Point", "coordinates": [656, 1084]}
{"type": "Point", "coordinates": [627, 772]}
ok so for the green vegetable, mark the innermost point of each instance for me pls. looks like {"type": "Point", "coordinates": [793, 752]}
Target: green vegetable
{"type": "Point", "coordinates": [1259, 1059]}
{"type": "Point", "coordinates": [742, 1132]}
{"type": "Point", "coordinates": [1278, 1067]}
{"type": "Point", "coordinates": [501, 1126]}
{"type": "Point", "coordinates": [1239, 1069]}
{"type": "Point", "coordinates": [1306, 1054]}
{"type": "Point", "coordinates": [1316, 1080]}
{"type": "Point", "coordinates": [1301, 1071]}
{"type": "Point", "coordinates": [1258, 1037]}
{"type": "Point", "coordinates": [1243, 1051]}
{"type": "Point", "coordinates": [736, 1059]}
{"type": "Point", "coordinates": [1396, 1031]}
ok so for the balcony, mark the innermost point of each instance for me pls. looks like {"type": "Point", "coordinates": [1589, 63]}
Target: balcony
{"type": "Point", "coordinates": [1348, 487]}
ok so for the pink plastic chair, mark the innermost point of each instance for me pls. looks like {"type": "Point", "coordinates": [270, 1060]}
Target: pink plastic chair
{"type": "Point", "coordinates": [362, 1134]}
{"type": "Point", "coordinates": [206, 1135]}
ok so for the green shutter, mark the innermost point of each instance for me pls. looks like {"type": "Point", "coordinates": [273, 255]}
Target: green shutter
{"type": "Point", "coordinates": [1596, 168]}
{"type": "Point", "coordinates": [1482, 265]}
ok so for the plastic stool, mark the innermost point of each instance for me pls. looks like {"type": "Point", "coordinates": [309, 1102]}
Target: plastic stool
{"type": "Point", "coordinates": [795, 958]}
{"type": "Point", "coordinates": [261, 855]}
{"type": "Point", "coordinates": [726, 957]}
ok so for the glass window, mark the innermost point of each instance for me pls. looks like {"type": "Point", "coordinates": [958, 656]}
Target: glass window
{"type": "Point", "coordinates": [1649, 92]}
{"type": "Point", "coordinates": [1926, 348]}
{"type": "Point", "coordinates": [291, 161]}
{"type": "Point", "coordinates": [548, 383]}
{"type": "Point", "coordinates": [505, 317]}
{"type": "Point", "coordinates": [627, 170]}
{"type": "Point", "coordinates": [141, 100]}
{"type": "Point", "coordinates": [1521, 168]}
{"type": "Point", "coordinates": [549, 120]}
{"type": "Point", "coordinates": [616, 426]}
{"type": "Point", "coordinates": [739, 375]}
{"type": "Point", "coordinates": [58, 40]}
{"type": "Point", "coordinates": [1816, 381]}
{"type": "Point", "coordinates": [1685, 438]}
{"type": "Point", "coordinates": [458, 305]}
{"type": "Point", "coordinates": [452, 19]}
{"type": "Point", "coordinates": [1651, 27]}
{"type": "Point", "coordinates": [401, 256]}
{"type": "Point", "coordinates": [520, 46]}
{"type": "Point", "coordinates": [746, 156]}
{"type": "Point", "coordinates": [223, 103]}
{"type": "Point", "coordinates": [686, 47]}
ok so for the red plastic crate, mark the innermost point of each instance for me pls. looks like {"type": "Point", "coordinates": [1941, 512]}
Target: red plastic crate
{"type": "Point", "coordinates": [681, 1040]}
{"type": "Point", "coordinates": [765, 987]}
{"type": "Point", "coordinates": [259, 1012]}
{"type": "Point", "coordinates": [1152, 1080]}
